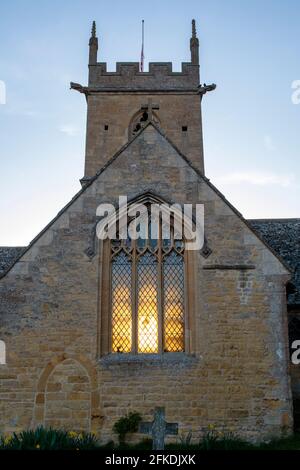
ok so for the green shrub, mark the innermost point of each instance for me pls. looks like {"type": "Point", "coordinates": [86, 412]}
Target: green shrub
{"type": "Point", "coordinates": [126, 424]}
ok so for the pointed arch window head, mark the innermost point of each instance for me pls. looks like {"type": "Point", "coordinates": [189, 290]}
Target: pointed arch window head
{"type": "Point", "coordinates": [139, 121]}
{"type": "Point", "coordinates": [147, 292]}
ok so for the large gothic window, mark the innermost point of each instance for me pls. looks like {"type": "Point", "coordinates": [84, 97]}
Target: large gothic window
{"type": "Point", "coordinates": [147, 292]}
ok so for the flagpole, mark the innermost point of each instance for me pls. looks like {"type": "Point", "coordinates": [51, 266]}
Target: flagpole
{"type": "Point", "coordinates": [142, 52]}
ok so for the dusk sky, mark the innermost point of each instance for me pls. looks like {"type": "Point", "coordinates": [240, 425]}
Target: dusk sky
{"type": "Point", "coordinates": [250, 49]}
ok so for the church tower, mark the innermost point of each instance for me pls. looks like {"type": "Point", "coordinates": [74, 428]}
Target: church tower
{"type": "Point", "coordinates": [121, 103]}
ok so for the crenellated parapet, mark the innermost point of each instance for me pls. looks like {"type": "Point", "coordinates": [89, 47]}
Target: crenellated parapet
{"type": "Point", "coordinates": [128, 75]}
{"type": "Point", "coordinates": [159, 77]}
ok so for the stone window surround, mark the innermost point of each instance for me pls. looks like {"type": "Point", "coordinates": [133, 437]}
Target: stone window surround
{"type": "Point", "coordinates": [104, 311]}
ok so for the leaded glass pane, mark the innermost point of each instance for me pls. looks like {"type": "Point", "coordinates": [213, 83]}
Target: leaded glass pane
{"type": "Point", "coordinates": [121, 304]}
{"type": "Point", "coordinates": [141, 298]}
{"type": "Point", "coordinates": [173, 276]}
{"type": "Point", "coordinates": [147, 304]}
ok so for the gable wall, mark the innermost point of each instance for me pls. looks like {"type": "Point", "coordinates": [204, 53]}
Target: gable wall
{"type": "Point", "coordinates": [237, 379]}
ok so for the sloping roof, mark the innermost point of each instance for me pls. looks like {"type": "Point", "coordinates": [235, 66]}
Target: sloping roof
{"type": "Point", "coordinates": [8, 255]}
{"type": "Point", "coordinates": [283, 235]}
{"type": "Point", "coordinates": [111, 160]}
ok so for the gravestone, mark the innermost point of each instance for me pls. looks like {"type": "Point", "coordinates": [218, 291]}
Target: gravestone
{"type": "Point", "coordinates": [158, 429]}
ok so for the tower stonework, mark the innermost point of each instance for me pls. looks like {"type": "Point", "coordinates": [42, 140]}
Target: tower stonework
{"type": "Point", "coordinates": [115, 99]}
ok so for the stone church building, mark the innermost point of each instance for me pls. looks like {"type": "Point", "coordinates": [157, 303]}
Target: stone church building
{"type": "Point", "coordinates": [96, 328]}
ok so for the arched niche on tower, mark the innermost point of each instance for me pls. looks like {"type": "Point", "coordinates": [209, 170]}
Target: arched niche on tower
{"type": "Point", "coordinates": [139, 120]}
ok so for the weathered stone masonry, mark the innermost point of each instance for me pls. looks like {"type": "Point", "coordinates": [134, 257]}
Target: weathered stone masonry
{"type": "Point", "coordinates": [236, 374]}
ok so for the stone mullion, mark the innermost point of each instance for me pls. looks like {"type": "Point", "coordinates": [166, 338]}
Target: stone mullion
{"type": "Point", "coordinates": [160, 292]}
{"type": "Point", "coordinates": [189, 291]}
{"type": "Point", "coordinates": [134, 299]}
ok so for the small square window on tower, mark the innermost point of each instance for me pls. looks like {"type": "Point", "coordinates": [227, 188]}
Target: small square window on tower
{"type": "Point", "coordinates": [184, 128]}
{"type": "Point", "coordinates": [106, 127]}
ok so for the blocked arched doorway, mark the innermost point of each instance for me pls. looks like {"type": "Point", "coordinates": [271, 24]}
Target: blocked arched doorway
{"type": "Point", "coordinates": [67, 395]}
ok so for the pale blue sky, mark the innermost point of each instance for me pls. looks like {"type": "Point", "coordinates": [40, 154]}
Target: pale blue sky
{"type": "Point", "coordinates": [251, 128]}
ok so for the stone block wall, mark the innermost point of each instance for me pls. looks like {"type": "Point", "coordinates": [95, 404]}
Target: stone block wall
{"type": "Point", "coordinates": [128, 77]}
{"type": "Point", "coordinates": [237, 377]}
